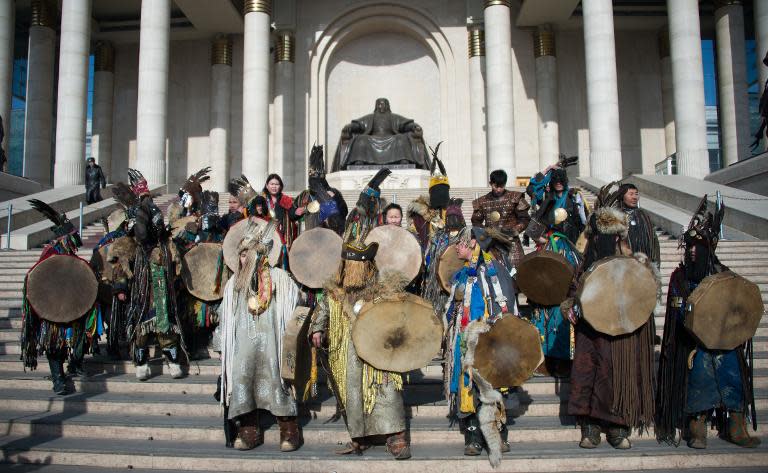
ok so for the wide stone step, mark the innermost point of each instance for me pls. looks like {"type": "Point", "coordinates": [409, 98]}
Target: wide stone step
{"type": "Point", "coordinates": [646, 454]}
{"type": "Point", "coordinates": [22, 468]}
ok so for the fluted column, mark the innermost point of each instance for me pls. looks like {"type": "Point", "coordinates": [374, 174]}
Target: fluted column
{"type": "Point", "coordinates": [546, 95]}
{"type": "Point", "coordinates": [7, 16]}
{"type": "Point", "coordinates": [602, 90]}
{"type": "Point", "coordinates": [476, 37]}
{"type": "Point", "coordinates": [667, 95]}
{"type": "Point", "coordinates": [283, 132]}
{"type": "Point", "coordinates": [38, 116]}
{"type": "Point", "coordinates": [498, 83]}
{"type": "Point", "coordinates": [72, 99]}
{"type": "Point", "coordinates": [256, 89]}
{"type": "Point", "coordinates": [152, 103]}
{"type": "Point", "coordinates": [688, 88]}
{"type": "Point", "coordinates": [103, 106]}
{"type": "Point", "coordinates": [221, 104]}
{"type": "Point", "coordinates": [732, 80]}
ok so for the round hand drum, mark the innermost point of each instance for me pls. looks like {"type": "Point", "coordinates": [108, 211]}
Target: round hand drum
{"type": "Point", "coordinates": [724, 311]}
{"type": "Point", "coordinates": [399, 251]}
{"type": "Point", "coordinates": [61, 288]}
{"type": "Point", "coordinates": [235, 235]}
{"type": "Point", "coordinates": [544, 277]}
{"type": "Point", "coordinates": [509, 352]}
{"type": "Point", "coordinates": [199, 269]}
{"type": "Point", "coordinates": [315, 257]}
{"type": "Point", "coordinates": [447, 267]}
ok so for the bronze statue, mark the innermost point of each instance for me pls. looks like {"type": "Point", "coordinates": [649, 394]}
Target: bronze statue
{"type": "Point", "coordinates": [381, 138]}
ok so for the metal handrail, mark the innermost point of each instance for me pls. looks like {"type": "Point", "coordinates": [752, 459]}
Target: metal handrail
{"type": "Point", "coordinates": [8, 233]}
{"type": "Point", "coordinates": [667, 166]}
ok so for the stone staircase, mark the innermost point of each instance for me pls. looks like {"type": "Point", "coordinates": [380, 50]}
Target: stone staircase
{"type": "Point", "coordinates": [114, 422]}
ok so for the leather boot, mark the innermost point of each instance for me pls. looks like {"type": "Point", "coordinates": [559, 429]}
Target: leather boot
{"type": "Point", "coordinates": [174, 368]}
{"type": "Point", "coordinates": [618, 437]}
{"type": "Point", "coordinates": [290, 434]}
{"type": "Point", "coordinates": [141, 359]}
{"type": "Point", "coordinates": [473, 438]}
{"type": "Point", "coordinates": [697, 431]}
{"type": "Point", "coordinates": [737, 431]}
{"type": "Point", "coordinates": [249, 433]}
{"type": "Point", "coordinates": [398, 446]}
{"type": "Point", "coordinates": [504, 433]}
{"type": "Point", "coordinates": [590, 434]}
{"type": "Point", "coordinates": [56, 365]}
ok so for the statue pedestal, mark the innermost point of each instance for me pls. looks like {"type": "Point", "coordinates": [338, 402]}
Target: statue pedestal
{"type": "Point", "coordinates": [399, 179]}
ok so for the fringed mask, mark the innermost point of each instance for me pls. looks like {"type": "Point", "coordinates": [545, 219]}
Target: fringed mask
{"type": "Point", "coordinates": [357, 268]}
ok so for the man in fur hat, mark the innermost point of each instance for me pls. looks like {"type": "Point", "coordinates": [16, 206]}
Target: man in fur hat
{"type": "Point", "coordinates": [611, 377]}
{"type": "Point", "coordinates": [258, 301]}
{"type": "Point", "coordinates": [694, 381]}
{"type": "Point", "coordinates": [370, 399]}
{"type": "Point", "coordinates": [482, 291]}
{"type": "Point", "coordinates": [503, 209]}
{"type": "Point", "coordinates": [59, 341]}
{"type": "Point", "coordinates": [152, 302]}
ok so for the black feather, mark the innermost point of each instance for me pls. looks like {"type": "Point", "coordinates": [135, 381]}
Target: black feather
{"type": "Point", "coordinates": [49, 212]}
{"type": "Point", "coordinates": [376, 180]}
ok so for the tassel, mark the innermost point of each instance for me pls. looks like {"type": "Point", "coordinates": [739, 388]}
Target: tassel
{"type": "Point", "coordinates": [310, 390]}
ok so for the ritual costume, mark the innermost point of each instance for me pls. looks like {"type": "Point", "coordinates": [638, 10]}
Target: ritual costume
{"type": "Point", "coordinates": [367, 212]}
{"type": "Point", "coordinates": [58, 340]}
{"type": "Point", "coordinates": [545, 199]}
{"type": "Point", "coordinates": [258, 301]}
{"type": "Point", "coordinates": [371, 399]}
{"type": "Point", "coordinates": [323, 205]}
{"type": "Point", "coordinates": [482, 291]}
{"type": "Point", "coordinates": [254, 205]}
{"type": "Point", "coordinates": [694, 380]}
{"type": "Point", "coordinates": [642, 234]}
{"type": "Point", "coordinates": [611, 376]}
{"type": "Point", "coordinates": [152, 309]}
{"type": "Point", "coordinates": [507, 212]}
{"type": "Point", "coordinates": [184, 214]}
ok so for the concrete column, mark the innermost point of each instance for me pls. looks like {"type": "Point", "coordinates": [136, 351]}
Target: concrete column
{"type": "Point", "coordinates": [499, 97]}
{"type": "Point", "coordinates": [602, 90]}
{"type": "Point", "coordinates": [546, 95]}
{"type": "Point", "coordinates": [688, 88]}
{"type": "Point", "coordinates": [284, 152]}
{"type": "Point", "coordinates": [732, 80]}
{"type": "Point", "coordinates": [72, 99]}
{"type": "Point", "coordinates": [152, 100]}
{"type": "Point", "coordinates": [761, 38]}
{"type": "Point", "coordinates": [103, 107]}
{"type": "Point", "coordinates": [7, 17]}
{"type": "Point", "coordinates": [476, 36]}
{"type": "Point", "coordinates": [256, 91]}
{"type": "Point", "coordinates": [667, 101]}
{"type": "Point", "coordinates": [221, 104]}
{"type": "Point", "coordinates": [38, 116]}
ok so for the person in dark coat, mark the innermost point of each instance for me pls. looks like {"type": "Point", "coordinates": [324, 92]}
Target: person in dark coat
{"type": "Point", "coordinates": [94, 182]}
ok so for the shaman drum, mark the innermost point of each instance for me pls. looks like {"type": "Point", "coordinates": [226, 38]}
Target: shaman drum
{"type": "Point", "coordinates": [724, 311]}
{"type": "Point", "coordinates": [447, 267]}
{"type": "Point", "coordinates": [509, 352]}
{"type": "Point", "coordinates": [618, 295]}
{"type": "Point", "coordinates": [399, 251]}
{"type": "Point", "coordinates": [544, 277]}
{"type": "Point", "coordinates": [397, 334]}
{"type": "Point", "coordinates": [61, 288]}
{"type": "Point", "coordinates": [315, 257]}
{"type": "Point", "coordinates": [296, 356]}
{"type": "Point", "coordinates": [200, 269]}
{"type": "Point", "coordinates": [235, 235]}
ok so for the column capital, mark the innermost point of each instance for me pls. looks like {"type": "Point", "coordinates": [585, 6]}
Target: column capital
{"type": "Point", "coordinates": [724, 3]}
{"type": "Point", "coordinates": [221, 50]}
{"type": "Point", "coordinates": [664, 50]}
{"type": "Point", "coordinates": [104, 57]}
{"type": "Point", "coordinates": [285, 47]}
{"type": "Point", "coordinates": [544, 42]}
{"type": "Point", "coordinates": [504, 3]}
{"type": "Point", "coordinates": [476, 37]}
{"type": "Point", "coordinates": [257, 6]}
{"type": "Point", "coordinates": [43, 13]}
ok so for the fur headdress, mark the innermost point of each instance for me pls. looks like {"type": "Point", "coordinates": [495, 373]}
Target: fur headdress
{"type": "Point", "coordinates": [609, 221]}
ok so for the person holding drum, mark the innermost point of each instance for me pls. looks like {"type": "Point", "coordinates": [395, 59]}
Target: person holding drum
{"type": "Point", "coordinates": [482, 290]}
{"type": "Point", "coordinates": [611, 304]}
{"type": "Point", "coordinates": [700, 369]}
{"type": "Point", "coordinates": [258, 301]}
{"type": "Point", "coordinates": [371, 399]}
{"type": "Point", "coordinates": [320, 204]}
{"type": "Point", "coordinates": [58, 281]}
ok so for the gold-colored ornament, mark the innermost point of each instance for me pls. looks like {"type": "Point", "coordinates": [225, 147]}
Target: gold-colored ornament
{"type": "Point", "coordinates": [313, 207]}
{"type": "Point", "coordinates": [494, 216]}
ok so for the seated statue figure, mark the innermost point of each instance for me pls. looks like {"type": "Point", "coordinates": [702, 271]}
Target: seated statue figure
{"type": "Point", "coordinates": [381, 138]}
